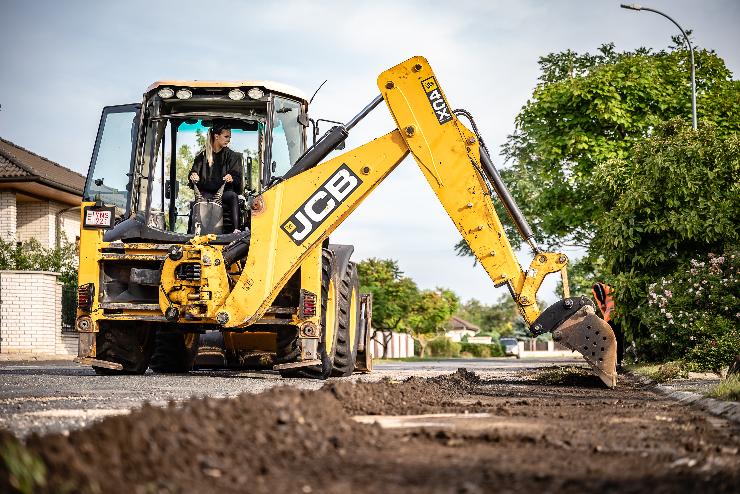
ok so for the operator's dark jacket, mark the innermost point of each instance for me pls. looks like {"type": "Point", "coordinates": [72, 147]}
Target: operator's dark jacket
{"type": "Point", "coordinates": [225, 162]}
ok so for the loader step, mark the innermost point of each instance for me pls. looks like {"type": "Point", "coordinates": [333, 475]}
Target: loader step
{"type": "Point", "coordinates": [294, 365]}
{"type": "Point", "coordinates": [98, 363]}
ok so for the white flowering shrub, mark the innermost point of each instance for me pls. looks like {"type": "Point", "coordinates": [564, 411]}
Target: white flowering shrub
{"type": "Point", "coordinates": [675, 200]}
{"type": "Point", "coordinates": [694, 314]}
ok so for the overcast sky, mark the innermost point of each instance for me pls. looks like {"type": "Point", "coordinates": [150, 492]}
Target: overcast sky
{"type": "Point", "coordinates": [61, 62]}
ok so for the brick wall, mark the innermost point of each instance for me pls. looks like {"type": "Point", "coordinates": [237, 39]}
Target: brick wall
{"type": "Point", "coordinates": [30, 314]}
{"type": "Point", "coordinates": [70, 225]}
{"type": "Point", "coordinates": [35, 220]}
{"type": "Point", "coordinates": [38, 220]}
{"type": "Point", "coordinates": [7, 215]}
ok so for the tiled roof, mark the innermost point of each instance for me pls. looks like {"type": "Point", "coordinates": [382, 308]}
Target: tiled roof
{"type": "Point", "coordinates": [458, 323]}
{"type": "Point", "coordinates": [17, 162]}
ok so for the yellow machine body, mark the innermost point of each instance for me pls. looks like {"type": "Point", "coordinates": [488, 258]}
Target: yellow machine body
{"type": "Point", "coordinates": [290, 225]}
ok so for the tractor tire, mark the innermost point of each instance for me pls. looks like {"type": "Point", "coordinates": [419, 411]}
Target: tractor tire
{"type": "Point", "coordinates": [175, 353]}
{"type": "Point", "coordinates": [128, 345]}
{"type": "Point", "coordinates": [347, 322]}
{"type": "Point", "coordinates": [288, 349]}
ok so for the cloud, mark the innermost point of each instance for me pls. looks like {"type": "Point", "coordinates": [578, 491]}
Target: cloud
{"type": "Point", "coordinates": [63, 61]}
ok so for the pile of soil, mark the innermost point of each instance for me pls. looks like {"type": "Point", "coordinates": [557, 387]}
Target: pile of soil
{"type": "Point", "coordinates": [535, 438]}
{"type": "Point", "coordinates": [248, 444]}
{"type": "Point", "coordinates": [412, 396]}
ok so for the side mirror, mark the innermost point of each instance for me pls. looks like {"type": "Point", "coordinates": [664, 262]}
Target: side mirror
{"type": "Point", "coordinates": [273, 166]}
{"type": "Point", "coordinates": [171, 189]}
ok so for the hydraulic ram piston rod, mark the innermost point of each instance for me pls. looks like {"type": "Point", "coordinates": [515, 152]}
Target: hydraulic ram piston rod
{"type": "Point", "coordinates": [333, 138]}
{"type": "Point", "coordinates": [509, 203]}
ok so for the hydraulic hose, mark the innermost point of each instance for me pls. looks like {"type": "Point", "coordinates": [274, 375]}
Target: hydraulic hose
{"type": "Point", "coordinates": [499, 186]}
{"type": "Point", "coordinates": [329, 142]}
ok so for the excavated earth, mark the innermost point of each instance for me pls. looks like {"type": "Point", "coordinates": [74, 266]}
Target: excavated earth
{"type": "Point", "coordinates": [555, 430]}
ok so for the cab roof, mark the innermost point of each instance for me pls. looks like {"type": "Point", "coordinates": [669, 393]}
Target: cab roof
{"type": "Point", "coordinates": [269, 85]}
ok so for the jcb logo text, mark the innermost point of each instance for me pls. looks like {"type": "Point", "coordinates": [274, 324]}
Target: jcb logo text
{"type": "Point", "coordinates": [319, 206]}
{"type": "Point", "coordinates": [439, 105]}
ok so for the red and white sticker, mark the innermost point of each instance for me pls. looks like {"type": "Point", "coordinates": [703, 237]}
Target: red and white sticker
{"type": "Point", "coordinates": [97, 218]}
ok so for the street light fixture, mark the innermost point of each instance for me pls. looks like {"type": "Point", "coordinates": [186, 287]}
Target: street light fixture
{"type": "Point", "coordinates": [634, 6]}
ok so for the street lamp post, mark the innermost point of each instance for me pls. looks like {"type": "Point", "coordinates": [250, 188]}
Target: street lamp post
{"type": "Point", "coordinates": [634, 6]}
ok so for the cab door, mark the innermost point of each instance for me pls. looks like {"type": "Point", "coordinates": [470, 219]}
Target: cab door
{"type": "Point", "coordinates": [114, 153]}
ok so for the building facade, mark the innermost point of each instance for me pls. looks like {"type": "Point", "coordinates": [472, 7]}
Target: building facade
{"type": "Point", "coordinates": [39, 199]}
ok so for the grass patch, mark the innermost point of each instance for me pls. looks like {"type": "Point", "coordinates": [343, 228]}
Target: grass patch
{"type": "Point", "coordinates": [25, 470]}
{"type": "Point", "coordinates": [564, 376]}
{"type": "Point", "coordinates": [660, 373]}
{"type": "Point", "coordinates": [728, 389]}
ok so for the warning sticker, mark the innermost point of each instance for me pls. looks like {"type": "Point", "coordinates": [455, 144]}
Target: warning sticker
{"type": "Point", "coordinates": [439, 105]}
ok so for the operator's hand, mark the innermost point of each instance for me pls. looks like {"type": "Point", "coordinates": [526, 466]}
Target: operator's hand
{"type": "Point", "coordinates": [228, 178]}
{"type": "Point", "coordinates": [194, 177]}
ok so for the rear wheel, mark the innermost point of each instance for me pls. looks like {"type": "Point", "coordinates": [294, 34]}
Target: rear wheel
{"type": "Point", "coordinates": [125, 344]}
{"type": "Point", "coordinates": [288, 349]}
{"type": "Point", "coordinates": [175, 353]}
{"type": "Point", "coordinates": [347, 322]}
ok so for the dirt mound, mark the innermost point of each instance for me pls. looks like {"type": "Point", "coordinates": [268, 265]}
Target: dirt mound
{"type": "Point", "coordinates": [412, 396]}
{"type": "Point", "coordinates": [557, 439]}
{"type": "Point", "coordinates": [206, 445]}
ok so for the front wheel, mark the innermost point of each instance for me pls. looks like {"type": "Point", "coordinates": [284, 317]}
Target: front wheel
{"type": "Point", "coordinates": [175, 353]}
{"type": "Point", "coordinates": [125, 344]}
{"type": "Point", "coordinates": [348, 319]}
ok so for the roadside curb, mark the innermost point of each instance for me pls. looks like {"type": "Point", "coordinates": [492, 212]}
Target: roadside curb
{"type": "Point", "coordinates": [729, 410]}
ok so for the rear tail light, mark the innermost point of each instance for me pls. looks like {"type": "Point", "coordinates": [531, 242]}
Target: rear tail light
{"type": "Point", "coordinates": [307, 305]}
{"type": "Point", "coordinates": [85, 296]}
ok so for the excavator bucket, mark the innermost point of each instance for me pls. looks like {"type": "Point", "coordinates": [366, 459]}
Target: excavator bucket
{"type": "Point", "coordinates": [575, 325]}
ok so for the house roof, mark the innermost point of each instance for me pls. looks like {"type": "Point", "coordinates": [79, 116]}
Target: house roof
{"type": "Point", "coordinates": [458, 323]}
{"type": "Point", "coordinates": [18, 164]}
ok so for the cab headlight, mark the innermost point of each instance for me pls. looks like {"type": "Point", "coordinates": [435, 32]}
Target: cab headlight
{"type": "Point", "coordinates": [184, 93]}
{"type": "Point", "coordinates": [165, 93]}
{"type": "Point", "coordinates": [236, 94]}
{"type": "Point", "coordinates": [255, 93]}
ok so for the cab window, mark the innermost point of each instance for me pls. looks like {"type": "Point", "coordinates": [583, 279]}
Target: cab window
{"type": "Point", "coordinates": [112, 156]}
{"type": "Point", "coordinates": [287, 136]}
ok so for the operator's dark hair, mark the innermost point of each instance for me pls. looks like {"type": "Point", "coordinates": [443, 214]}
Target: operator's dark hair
{"type": "Point", "coordinates": [215, 129]}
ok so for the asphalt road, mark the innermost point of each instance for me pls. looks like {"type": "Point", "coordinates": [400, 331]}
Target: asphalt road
{"type": "Point", "coordinates": [58, 396]}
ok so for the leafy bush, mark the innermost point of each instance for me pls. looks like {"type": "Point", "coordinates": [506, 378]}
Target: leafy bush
{"type": "Point", "coordinates": [695, 313]}
{"type": "Point", "coordinates": [676, 200]}
{"type": "Point", "coordinates": [443, 347]}
{"type": "Point", "coordinates": [32, 256]}
{"type": "Point", "coordinates": [481, 350]}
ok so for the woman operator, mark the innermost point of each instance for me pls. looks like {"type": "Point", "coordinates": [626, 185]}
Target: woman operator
{"type": "Point", "coordinates": [217, 164]}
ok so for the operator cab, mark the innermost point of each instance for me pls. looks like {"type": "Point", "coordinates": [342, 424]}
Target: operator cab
{"type": "Point", "coordinates": [144, 152]}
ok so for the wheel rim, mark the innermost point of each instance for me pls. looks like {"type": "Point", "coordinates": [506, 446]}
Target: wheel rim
{"type": "Point", "coordinates": [353, 321]}
{"type": "Point", "coordinates": [331, 318]}
{"type": "Point", "coordinates": [190, 339]}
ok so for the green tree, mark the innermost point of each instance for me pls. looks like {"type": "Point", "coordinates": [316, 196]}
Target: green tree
{"type": "Point", "coordinates": [676, 199]}
{"type": "Point", "coordinates": [589, 109]}
{"type": "Point", "coordinates": [399, 305]}
{"type": "Point", "coordinates": [394, 295]}
{"type": "Point", "coordinates": [499, 319]}
{"type": "Point", "coordinates": [431, 310]}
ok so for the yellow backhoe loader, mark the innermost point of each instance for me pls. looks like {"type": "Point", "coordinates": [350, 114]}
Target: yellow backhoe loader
{"type": "Point", "coordinates": [154, 285]}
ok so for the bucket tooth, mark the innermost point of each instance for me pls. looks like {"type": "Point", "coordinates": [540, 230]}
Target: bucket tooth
{"type": "Point", "coordinates": [589, 335]}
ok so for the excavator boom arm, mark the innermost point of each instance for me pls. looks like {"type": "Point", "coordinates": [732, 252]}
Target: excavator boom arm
{"type": "Point", "coordinates": [294, 217]}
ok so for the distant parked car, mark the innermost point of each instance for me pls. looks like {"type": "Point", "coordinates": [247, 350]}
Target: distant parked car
{"type": "Point", "coordinates": [510, 345]}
